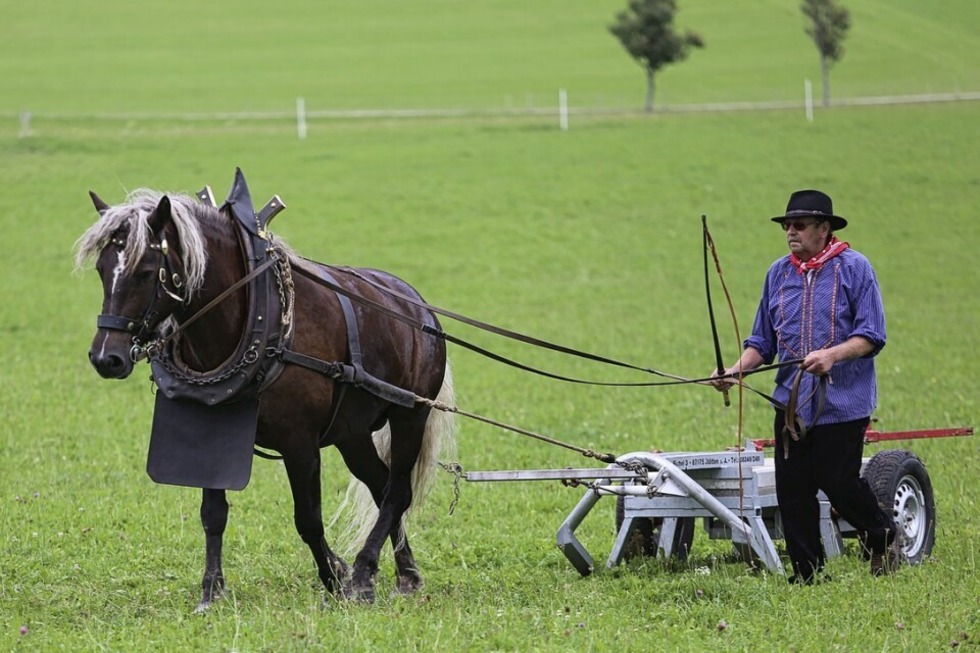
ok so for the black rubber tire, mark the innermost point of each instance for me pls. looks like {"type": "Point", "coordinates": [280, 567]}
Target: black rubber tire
{"type": "Point", "coordinates": [901, 484]}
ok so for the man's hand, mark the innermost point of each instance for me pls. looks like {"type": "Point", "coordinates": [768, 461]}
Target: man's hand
{"type": "Point", "coordinates": [749, 360]}
{"type": "Point", "coordinates": [819, 362]}
{"type": "Point", "coordinates": [721, 384]}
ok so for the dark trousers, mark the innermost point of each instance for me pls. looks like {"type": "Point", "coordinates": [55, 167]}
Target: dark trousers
{"type": "Point", "coordinates": [828, 459]}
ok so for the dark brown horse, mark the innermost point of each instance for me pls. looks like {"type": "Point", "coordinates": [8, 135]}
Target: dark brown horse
{"type": "Point", "coordinates": [163, 258]}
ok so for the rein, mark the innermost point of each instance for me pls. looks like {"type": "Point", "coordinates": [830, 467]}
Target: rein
{"type": "Point", "coordinates": [306, 268]}
{"type": "Point", "coordinates": [794, 426]}
{"type": "Point", "coordinates": [513, 335]}
{"type": "Point", "coordinates": [309, 270]}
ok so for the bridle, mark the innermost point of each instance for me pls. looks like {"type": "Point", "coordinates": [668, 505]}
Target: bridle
{"type": "Point", "coordinates": [154, 313]}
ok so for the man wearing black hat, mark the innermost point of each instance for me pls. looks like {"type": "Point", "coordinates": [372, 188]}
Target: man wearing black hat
{"type": "Point", "coordinates": [821, 305]}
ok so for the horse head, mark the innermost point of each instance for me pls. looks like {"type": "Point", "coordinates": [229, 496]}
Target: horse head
{"type": "Point", "coordinates": [136, 248]}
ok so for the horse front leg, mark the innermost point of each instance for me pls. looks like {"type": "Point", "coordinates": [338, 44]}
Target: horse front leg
{"type": "Point", "coordinates": [304, 481]}
{"type": "Point", "coordinates": [214, 518]}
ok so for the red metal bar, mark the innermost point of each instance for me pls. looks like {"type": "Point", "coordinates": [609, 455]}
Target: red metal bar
{"type": "Point", "coordinates": [871, 435]}
{"type": "Point", "coordinates": [879, 436]}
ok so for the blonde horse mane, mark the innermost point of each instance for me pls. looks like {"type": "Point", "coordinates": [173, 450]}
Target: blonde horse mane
{"type": "Point", "coordinates": [187, 215]}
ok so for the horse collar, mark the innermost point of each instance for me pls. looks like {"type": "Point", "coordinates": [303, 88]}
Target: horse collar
{"type": "Point", "coordinates": [268, 322]}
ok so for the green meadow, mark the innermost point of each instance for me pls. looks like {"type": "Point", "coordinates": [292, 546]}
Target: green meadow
{"type": "Point", "coordinates": [117, 57]}
{"type": "Point", "coordinates": [589, 237]}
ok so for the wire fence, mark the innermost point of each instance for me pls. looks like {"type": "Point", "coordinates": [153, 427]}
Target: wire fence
{"type": "Point", "coordinates": [302, 114]}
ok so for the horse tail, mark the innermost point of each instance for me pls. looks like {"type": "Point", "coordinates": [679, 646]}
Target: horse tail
{"type": "Point", "coordinates": [438, 442]}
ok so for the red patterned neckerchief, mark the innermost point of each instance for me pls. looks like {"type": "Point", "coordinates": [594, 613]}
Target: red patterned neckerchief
{"type": "Point", "coordinates": [833, 248]}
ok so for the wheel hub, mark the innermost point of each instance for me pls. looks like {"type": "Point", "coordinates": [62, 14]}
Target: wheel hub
{"type": "Point", "coordinates": [910, 514]}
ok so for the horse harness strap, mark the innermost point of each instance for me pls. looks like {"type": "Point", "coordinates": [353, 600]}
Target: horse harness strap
{"type": "Point", "coordinates": [353, 373]}
{"type": "Point", "coordinates": [346, 375]}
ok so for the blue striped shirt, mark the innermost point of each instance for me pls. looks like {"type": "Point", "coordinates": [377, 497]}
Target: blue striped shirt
{"type": "Point", "coordinates": [801, 313]}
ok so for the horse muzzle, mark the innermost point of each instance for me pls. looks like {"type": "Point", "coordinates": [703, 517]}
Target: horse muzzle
{"type": "Point", "coordinates": [111, 364]}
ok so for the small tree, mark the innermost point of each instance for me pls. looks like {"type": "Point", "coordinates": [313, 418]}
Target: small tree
{"type": "Point", "coordinates": [828, 25]}
{"type": "Point", "coordinates": [646, 32]}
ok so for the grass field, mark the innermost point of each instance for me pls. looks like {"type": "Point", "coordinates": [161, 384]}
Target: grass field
{"type": "Point", "coordinates": [121, 57]}
{"type": "Point", "coordinates": [589, 237]}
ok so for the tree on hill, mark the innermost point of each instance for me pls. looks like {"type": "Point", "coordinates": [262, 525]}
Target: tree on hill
{"type": "Point", "coordinates": [828, 25]}
{"type": "Point", "coordinates": [646, 32]}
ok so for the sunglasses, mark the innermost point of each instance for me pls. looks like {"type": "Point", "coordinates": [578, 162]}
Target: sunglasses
{"type": "Point", "coordinates": [798, 225]}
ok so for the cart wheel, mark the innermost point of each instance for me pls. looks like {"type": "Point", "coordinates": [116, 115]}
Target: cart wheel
{"type": "Point", "coordinates": [646, 533]}
{"type": "Point", "coordinates": [902, 485]}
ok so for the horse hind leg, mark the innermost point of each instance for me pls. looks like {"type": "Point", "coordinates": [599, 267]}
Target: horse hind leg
{"type": "Point", "coordinates": [364, 499]}
{"type": "Point", "coordinates": [214, 518]}
{"type": "Point", "coordinates": [408, 580]}
{"type": "Point", "coordinates": [407, 429]}
{"type": "Point", "coordinates": [304, 481]}
{"type": "Point", "coordinates": [438, 440]}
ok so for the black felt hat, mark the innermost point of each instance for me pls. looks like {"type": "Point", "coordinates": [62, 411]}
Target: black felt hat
{"type": "Point", "coordinates": [812, 204]}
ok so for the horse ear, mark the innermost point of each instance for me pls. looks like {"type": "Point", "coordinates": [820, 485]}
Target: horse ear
{"type": "Point", "coordinates": [100, 206]}
{"type": "Point", "coordinates": [160, 216]}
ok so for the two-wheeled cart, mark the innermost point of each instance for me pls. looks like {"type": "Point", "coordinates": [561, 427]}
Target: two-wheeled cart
{"type": "Point", "coordinates": [660, 496]}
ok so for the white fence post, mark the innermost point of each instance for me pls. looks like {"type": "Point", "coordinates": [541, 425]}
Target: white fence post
{"type": "Point", "coordinates": [563, 109]}
{"type": "Point", "coordinates": [25, 124]}
{"type": "Point", "coordinates": [808, 95]}
{"type": "Point", "coordinates": [301, 118]}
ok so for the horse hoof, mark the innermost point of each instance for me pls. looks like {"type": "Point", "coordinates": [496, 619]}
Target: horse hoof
{"type": "Point", "coordinates": [337, 581]}
{"type": "Point", "coordinates": [208, 600]}
{"type": "Point", "coordinates": [359, 593]}
{"type": "Point", "coordinates": [407, 585]}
